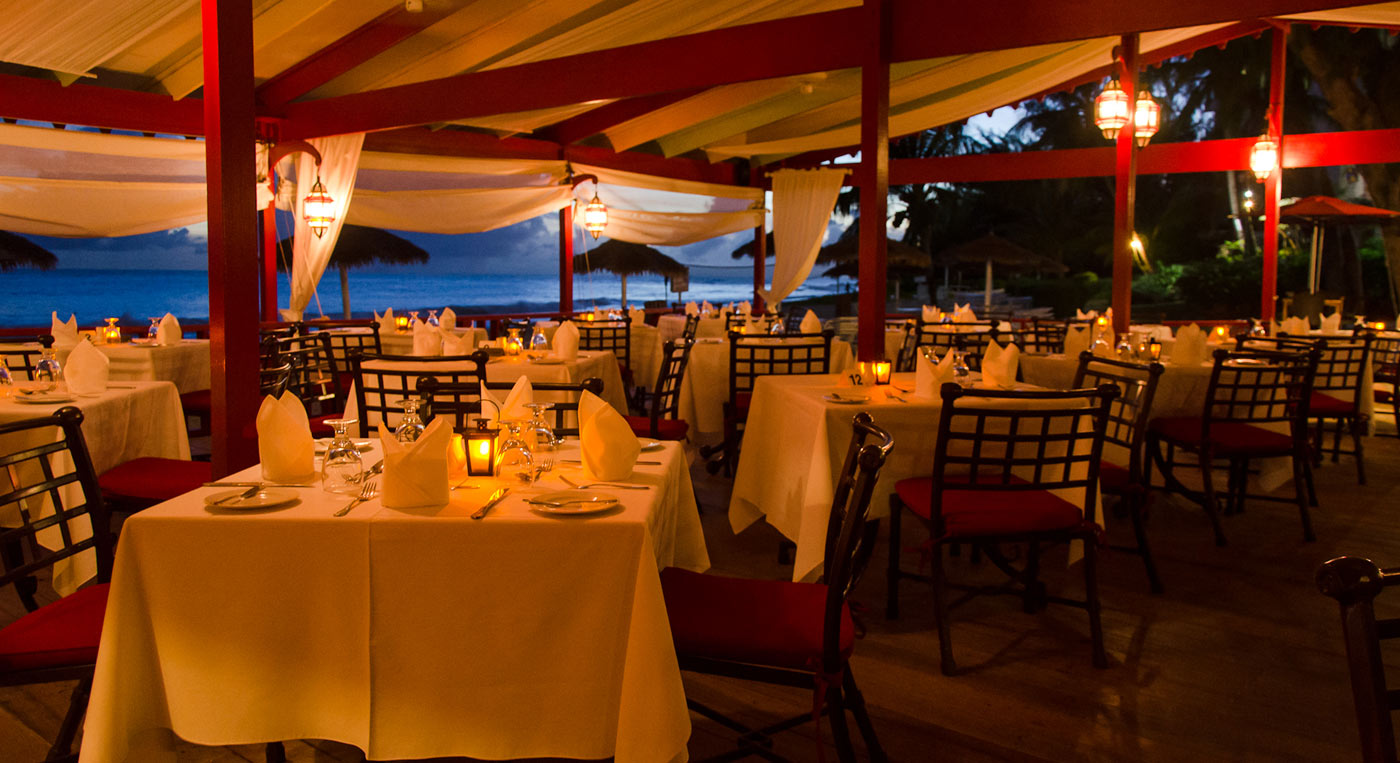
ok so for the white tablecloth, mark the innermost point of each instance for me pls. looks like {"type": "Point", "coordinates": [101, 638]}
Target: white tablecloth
{"type": "Point", "coordinates": [672, 325]}
{"type": "Point", "coordinates": [186, 364]}
{"type": "Point", "coordinates": [646, 350]}
{"type": "Point", "coordinates": [130, 420]}
{"type": "Point", "coordinates": [705, 387]}
{"type": "Point", "coordinates": [394, 343]}
{"type": "Point", "coordinates": [406, 633]}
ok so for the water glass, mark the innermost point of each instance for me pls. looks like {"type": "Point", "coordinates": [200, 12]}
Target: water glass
{"type": "Point", "coordinates": [410, 426]}
{"type": "Point", "coordinates": [960, 368]}
{"type": "Point", "coordinates": [7, 379]}
{"type": "Point", "coordinates": [47, 371]}
{"type": "Point", "coordinates": [539, 430]}
{"type": "Point", "coordinates": [538, 341]}
{"type": "Point", "coordinates": [154, 330]}
{"type": "Point", "coordinates": [516, 459]}
{"type": "Point", "coordinates": [342, 468]}
{"type": "Point", "coordinates": [433, 319]}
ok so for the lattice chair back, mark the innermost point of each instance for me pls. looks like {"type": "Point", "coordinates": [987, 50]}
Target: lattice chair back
{"type": "Point", "coordinates": [1131, 409]}
{"type": "Point", "coordinates": [666, 399]}
{"type": "Point", "coordinates": [462, 401]}
{"type": "Point", "coordinates": [794, 354]}
{"type": "Point", "coordinates": [740, 321]}
{"type": "Point", "coordinates": [348, 337]}
{"type": "Point", "coordinates": [614, 336]}
{"type": "Point", "coordinates": [313, 376]}
{"type": "Point", "coordinates": [1355, 582]}
{"type": "Point", "coordinates": [847, 547]}
{"type": "Point", "coordinates": [1385, 354]}
{"type": "Point", "coordinates": [1260, 388]}
{"type": "Point", "coordinates": [692, 324]}
{"type": "Point", "coordinates": [21, 359]}
{"type": "Point", "coordinates": [383, 381]}
{"type": "Point", "coordinates": [273, 380]}
{"type": "Point", "coordinates": [969, 338]}
{"type": "Point", "coordinates": [1043, 337]}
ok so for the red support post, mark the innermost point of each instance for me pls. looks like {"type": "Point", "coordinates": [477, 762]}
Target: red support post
{"type": "Point", "coordinates": [1268, 284]}
{"type": "Point", "coordinates": [875, 178]}
{"type": "Point", "coordinates": [233, 277]}
{"type": "Point", "coordinates": [566, 259]}
{"type": "Point", "coordinates": [269, 262]}
{"type": "Point", "coordinates": [1125, 195]}
{"type": "Point", "coordinates": [760, 269]}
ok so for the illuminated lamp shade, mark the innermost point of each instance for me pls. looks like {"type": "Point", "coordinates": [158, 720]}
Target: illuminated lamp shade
{"type": "Point", "coordinates": [481, 449]}
{"type": "Point", "coordinates": [1111, 110]}
{"type": "Point", "coordinates": [318, 209]}
{"type": "Point", "coordinates": [1147, 118]}
{"type": "Point", "coordinates": [1263, 158]}
{"type": "Point", "coordinates": [595, 217]}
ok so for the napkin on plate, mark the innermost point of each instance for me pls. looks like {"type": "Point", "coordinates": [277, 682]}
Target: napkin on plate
{"type": "Point", "coordinates": [637, 315]}
{"type": "Point", "coordinates": [811, 324]}
{"type": "Point", "coordinates": [745, 308]}
{"type": "Point", "coordinates": [931, 314]}
{"type": "Point", "coordinates": [1080, 315]}
{"type": "Point", "coordinates": [427, 341]}
{"type": "Point", "coordinates": [1332, 324]}
{"type": "Point", "coordinates": [565, 343]}
{"type": "Point", "coordinates": [284, 440]}
{"type": "Point", "coordinates": [169, 333]}
{"type": "Point", "coordinates": [692, 309]}
{"type": "Point", "coordinates": [522, 394]}
{"type": "Point", "coordinates": [610, 449]}
{"type": "Point", "coordinates": [1077, 340]}
{"type": "Point", "coordinates": [86, 370]}
{"type": "Point", "coordinates": [1190, 348]}
{"type": "Point", "coordinates": [386, 321]}
{"type": "Point", "coordinates": [930, 377]}
{"type": "Point", "coordinates": [964, 314]}
{"type": "Point", "coordinates": [453, 344]}
{"type": "Point", "coordinates": [448, 319]}
{"type": "Point", "coordinates": [706, 307]}
{"type": "Point", "coordinates": [65, 334]}
{"type": "Point", "coordinates": [999, 365]}
{"type": "Point", "coordinates": [415, 473]}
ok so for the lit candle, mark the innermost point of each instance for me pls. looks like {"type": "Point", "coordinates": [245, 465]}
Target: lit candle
{"type": "Point", "coordinates": [481, 449]}
{"type": "Point", "coordinates": [1222, 333]}
{"type": "Point", "coordinates": [882, 371]}
{"type": "Point", "coordinates": [1378, 325]}
{"type": "Point", "coordinates": [401, 321]}
{"type": "Point", "coordinates": [1154, 349]}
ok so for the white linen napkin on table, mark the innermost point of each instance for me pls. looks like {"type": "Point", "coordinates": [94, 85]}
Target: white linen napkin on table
{"type": "Point", "coordinates": [928, 377]}
{"type": "Point", "coordinates": [931, 314]}
{"type": "Point", "coordinates": [999, 365]}
{"type": "Point", "coordinates": [1332, 324]}
{"type": "Point", "coordinates": [453, 344]}
{"type": "Point", "coordinates": [386, 321]}
{"type": "Point", "coordinates": [86, 370]}
{"type": "Point", "coordinates": [565, 341]}
{"type": "Point", "coordinates": [1080, 315]}
{"type": "Point", "coordinates": [1190, 347]}
{"type": "Point", "coordinates": [692, 309]}
{"type": "Point", "coordinates": [65, 333]}
{"type": "Point", "coordinates": [745, 308]}
{"type": "Point", "coordinates": [609, 448]}
{"type": "Point", "coordinates": [522, 394]}
{"type": "Point", "coordinates": [169, 334]}
{"type": "Point", "coordinates": [706, 308]}
{"type": "Point", "coordinates": [447, 319]}
{"type": "Point", "coordinates": [811, 324]}
{"type": "Point", "coordinates": [1077, 340]}
{"type": "Point", "coordinates": [1295, 326]}
{"type": "Point", "coordinates": [427, 341]}
{"type": "Point", "coordinates": [415, 473]}
{"type": "Point", "coordinates": [637, 315]}
{"type": "Point", "coordinates": [964, 314]}
{"type": "Point", "coordinates": [284, 440]}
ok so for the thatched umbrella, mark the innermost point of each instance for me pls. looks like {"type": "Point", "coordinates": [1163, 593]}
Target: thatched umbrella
{"type": "Point", "coordinates": [844, 257]}
{"type": "Point", "coordinates": [1325, 210]}
{"type": "Point", "coordinates": [991, 250]}
{"type": "Point", "coordinates": [19, 252]}
{"type": "Point", "coordinates": [359, 245]}
{"type": "Point", "coordinates": [746, 249]}
{"type": "Point", "coordinates": [625, 258]}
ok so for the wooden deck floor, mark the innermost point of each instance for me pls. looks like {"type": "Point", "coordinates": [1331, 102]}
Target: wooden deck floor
{"type": "Point", "coordinates": [1240, 660]}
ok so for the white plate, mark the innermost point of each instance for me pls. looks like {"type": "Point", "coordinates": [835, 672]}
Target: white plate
{"type": "Point", "coordinates": [846, 399]}
{"type": "Point", "coordinates": [43, 399]}
{"type": "Point", "coordinates": [266, 498]}
{"type": "Point", "coordinates": [650, 444]}
{"type": "Point", "coordinates": [572, 502]}
{"type": "Point", "coordinates": [364, 446]}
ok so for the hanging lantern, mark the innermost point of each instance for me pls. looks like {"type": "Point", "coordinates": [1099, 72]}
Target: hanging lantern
{"type": "Point", "coordinates": [1263, 158]}
{"type": "Point", "coordinates": [318, 209]}
{"type": "Point", "coordinates": [1111, 110]}
{"type": "Point", "coordinates": [595, 217]}
{"type": "Point", "coordinates": [1146, 119]}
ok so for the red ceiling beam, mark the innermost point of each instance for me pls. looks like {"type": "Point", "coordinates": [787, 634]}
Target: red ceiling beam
{"type": "Point", "coordinates": [48, 101]}
{"type": "Point", "coordinates": [650, 164]}
{"type": "Point", "coordinates": [375, 37]}
{"type": "Point", "coordinates": [613, 114]}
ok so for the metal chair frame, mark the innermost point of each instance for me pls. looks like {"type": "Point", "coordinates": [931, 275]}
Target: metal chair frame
{"type": "Point", "coordinates": [376, 395]}
{"type": "Point", "coordinates": [462, 401]}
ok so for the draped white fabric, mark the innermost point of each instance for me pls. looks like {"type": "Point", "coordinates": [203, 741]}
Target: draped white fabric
{"type": "Point", "coordinates": [802, 204]}
{"type": "Point", "coordinates": [93, 208]}
{"type": "Point", "coordinates": [677, 228]}
{"type": "Point", "coordinates": [340, 157]}
{"type": "Point", "coordinates": [456, 210]}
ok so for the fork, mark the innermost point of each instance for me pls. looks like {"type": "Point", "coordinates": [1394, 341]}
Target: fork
{"type": "Point", "coordinates": [614, 485]}
{"type": "Point", "coordinates": [370, 490]}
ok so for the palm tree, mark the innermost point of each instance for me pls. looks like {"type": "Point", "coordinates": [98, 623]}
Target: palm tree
{"type": "Point", "coordinates": [359, 246]}
{"type": "Point", "coordinates": [19, 252]}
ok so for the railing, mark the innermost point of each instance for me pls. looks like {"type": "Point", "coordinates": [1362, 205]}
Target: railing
{"type": "Point", "coordinates": [200, 330]}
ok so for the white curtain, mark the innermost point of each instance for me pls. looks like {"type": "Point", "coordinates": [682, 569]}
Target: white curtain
{"type": "Point", "coordinates": [802, 204]}
{"type": "Point", "coordinates": [340, 158]}
{"type": "Point", "coordinates": [676, 228]}
{"type": "Point", "coordinates": [456, 210]}
{"type": "Point", "coordinates": [90, 208]}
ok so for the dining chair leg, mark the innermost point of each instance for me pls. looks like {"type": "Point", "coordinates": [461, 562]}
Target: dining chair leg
{"type": "Point", "coordinates": [940, 612]}
{"type": "Point", "coordinates": [892, 572]}
{"type": "Point", "coordinates": [856, 701]}
{"type": "Point", "coordinates": [1091, 600]}
{"type": "Point", "coordinates": [1232, 488]}
{"type": "Point", "coordinates": [1358, 425]}
{"type": "Point", "coordinates": [1308, 480]}
{"type": "Point", "coordinates": [1030, 599]}
{"type": "Point", "coordinates": [274, 752]}
{"type": "Point", "coordinates": [1208, 497]}
{"type": "Point", "coordinates": [840, 732]}
{"type": "Point", "coordinates": [12, 553]}
{"type": "Point", "coordinates": [77, 707]}
{"type": "Point", "coordinates": [1300, 494]}
{"type": "Point", "coordinates": [1136, 511]}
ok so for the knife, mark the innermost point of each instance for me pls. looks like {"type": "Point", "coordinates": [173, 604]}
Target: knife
{"type": "Point", "coordinates": [258, 484]}
{"type": "Point", "coordinates": [496, 498]}
{"type": "Point", "coordinates": [639, 463]}
{"type": "Point", "coordinates": [249, 493]}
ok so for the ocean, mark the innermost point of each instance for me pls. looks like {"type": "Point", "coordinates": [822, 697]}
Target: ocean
{"type": "Point", "coordinates": [134, 295]}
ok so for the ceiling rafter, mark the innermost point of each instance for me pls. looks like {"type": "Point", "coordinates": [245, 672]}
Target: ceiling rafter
{"type": "Point", "coordinates": [48, 101]}
{"type": "Point", "coordinates": [603, 118]}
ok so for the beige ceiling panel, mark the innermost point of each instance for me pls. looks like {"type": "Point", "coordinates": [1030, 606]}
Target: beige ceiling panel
{"type": "Point", "coordinates": [806, 94]}
{"type": "Point", "coordinates": [77, 36]}
{"type": "Point", "coordinates": [162, 44]}
{"type": "Point", "coordinates": [529, 121]}
{"type": "Point", "coordinates": [1386, 14]}
{"type": "Point", "coordinates": [709, 104]}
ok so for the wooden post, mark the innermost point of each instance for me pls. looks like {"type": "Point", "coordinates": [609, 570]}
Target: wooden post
{"type": "Point", "coordinates": [1125, 191]}
{"type": "Point", "coordinates": [230, 170]}
{"type": "Point", "coordinates": [566, 259]}
{"type": "Point", "coordinates": [1273, 184]}
{"type": "Point", "coordinates": [269, 262]}
{"type": "Point", "coordinates": [760, 269]}
{"type": "Point", "coordinates": [874, 179]}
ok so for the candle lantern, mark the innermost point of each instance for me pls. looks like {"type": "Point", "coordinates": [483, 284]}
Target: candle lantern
{"type": "Point", "coordinates": [1222, 334]}
{"type": "Point", "coordinates": [1154, 349]}
{"type": "Point", "coordinates": [1378, 325]}
{"type": "Point", "coordinates": [481, 449]}
{"type": "Point", "coordinates": [401, 321]}
{"type": "Point", "coordinates": [882, 371]}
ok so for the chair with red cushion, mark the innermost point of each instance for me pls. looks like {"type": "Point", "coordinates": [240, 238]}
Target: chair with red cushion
{"type": "Point", "coordinates": [55, 482]}
{"type": "Point", "coordinates": [1125, 440]}
{"type": "Point", "coordinates": [998, 457]}
{"type": "Point", "coordinates": [1256, 406]}
{"type": "Point", "coordinates": [1355, 582]}
{"type": "Point", "coordinates": [663, 422]}
{"type": "Point", "coordinates": [1385, 360]}
{"type": "Point", "coordinates": [786, 633]}
{"type": "Point", "coordinates": [141, 482]}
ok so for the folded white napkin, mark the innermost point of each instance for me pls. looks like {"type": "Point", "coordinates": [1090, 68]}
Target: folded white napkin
{"type": "Point", "coordinates": [284, 440]}
{"type": "Point", "coordinates": [753, 326]}
{"type": "Point", "coordinates": [447, 319]}
{"type": "Point", "coordinates": [169, 333]}
{"type": "Point", "coordinates": [811, 324]}
{"type": "Point", "coordinates": [928, 377]}
{"type": "Point", "coordinates": [931, 314]}
{"type": "Point", "coordinates": [415, 473]}
{"type": "Point", "coordinates": [65, 334]}
{"type": "Point", "coordinates": [386, 321]}
{"type": "Point", "coordinates": [1190, 348]}
{"type": "Point", "coordinates": [565, 341]}
{"type": "Point", "coordinates": [453, 344]}
{"type": "Point", "coordinates": [86, 370]}
{"type": "Point", "coordinates": [964, 314]}
{"type": "Point", "coordinates": [1294, 326]}
{"type": "Point", "coordinates": [522, 394]}
{"type": "Point", "coordinates": [610, 449]}
{"type": "Point", "coordinates": [1077, 340]}
{"type": "Point", "coordinates": [1332, 324]}
{"type": "Point", "coordinates": [692, 309]}
{"type": "Point", "coordinates": [999, 365]}
{"type": "Point", "coordinates": [706, 307]}
{"type": "Point", "coordinates": [290, 315]}
{"type": "Point", "coordinates": [427, 341]}
{"type": "Point", "coordinates": [637, 315]}
{"type": "Point", "coordinates": [745, 308]}
{"type": "Point", "coordinates": [1080, 315]}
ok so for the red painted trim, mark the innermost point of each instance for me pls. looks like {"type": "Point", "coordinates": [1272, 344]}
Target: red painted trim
{"type": "Point", "coordinates": [1268, 286]}
{"type": "Point", "coordinates": [1125, 193]}
{"type": "Point", "coordinates": [48, 101]}
{"type": "Point", "coordinates": [603, 118]}
{"type": "Point", "coordinates": [267, 256]}
{"type": "Point", "coordinates": [760, 270]}
{"type": "Point", "coordinates": [421, 140]}
{"type": "Point", "coordinates": [371, 39]}
{"type": "Point", "coordinates": [566, 259]}
{"type": "Point", "coordinates": [875, 178]}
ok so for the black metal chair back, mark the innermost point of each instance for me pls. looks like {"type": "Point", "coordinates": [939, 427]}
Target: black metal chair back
{"type": "Point", "coordinates": [612, 335]}
{"type": "Point", "coordinates": [347, 337]}
{"type": "Point", "coordinates": [666, 396]}
{"type": "Point", "coordinates": [795, 354]}
{"type": "Point", "coordinates": [1043, 337]}
{"type": "Point", "coordinates": [462, 400]}
{"type": "Point", "coordinates": [21, 359]}
{"type": "Point", "coordinates": [1355, 583]}
{"type": "Point", "coordinates": [692, 324]}
{"type": "Point", "coordinates": [1341, 364]}
{"type": "Point", "coordinates": [1260, 387]}
{"type": "Point", "coordinates": [740, 321]}
{"type": "Point", "coordinates": [1130, 411]}
{"type": "Point", "coordinates": [312, 374]}
{"type": "Point", "coordinates": [383, 381]}
{"type": "Point", "coordinates": [970, 338]}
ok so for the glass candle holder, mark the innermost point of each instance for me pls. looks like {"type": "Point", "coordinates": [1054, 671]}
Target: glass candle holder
{"type": "Point", "coordinates": [401, 323]}
{"type": "Point", "coordinates": [1154, 349]}
{"type": "Point", "coordinates": [481, 449]}
{"type": "Point", "coordinates": [882, 370]}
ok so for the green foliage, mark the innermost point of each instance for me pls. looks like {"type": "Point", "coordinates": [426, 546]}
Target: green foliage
{"type": "Point", "coordinates": [1159, 286]}
{"type": "Point", "coordinates": [1226, 286]}
{"type": "Point", "coordinates": [1064, 295]}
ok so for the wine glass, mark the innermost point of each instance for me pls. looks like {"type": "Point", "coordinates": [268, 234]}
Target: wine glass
{"type": "Point", "coordinates": [412, 317]}
{"type": "Point", "coordinates": [342, 468]}
{"type": "Point", "coordinates": [47, 371]}
{"type": "Point", "coordinates": [111, 334]}
{"type": "Point", "coordinates": [433, 319]}
{"type": "Point", "coordinates": [515, 457]}
{"type": "Point", "coordinates": [410, 427]}
{"type": "Point", "coordinates": [1124, 348]}
{"type": "Point", "coordinates": [7, 379]}
{"type": "Point", "coordinates": [154, 330]}
{"type": "Point", "coordinates": [538, 341]}
{"type": "Point", "coordinates": [960, 368]}
{"type": "Point", "coordinates": [543, 433]}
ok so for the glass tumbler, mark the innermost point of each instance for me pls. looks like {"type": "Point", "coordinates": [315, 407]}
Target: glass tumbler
{"type": "Point", "coordinates": [342, 468]}
{"type": "Point", "coordinates": [47, 371]}
{"type": "Point", "coordinates": [410, 427]}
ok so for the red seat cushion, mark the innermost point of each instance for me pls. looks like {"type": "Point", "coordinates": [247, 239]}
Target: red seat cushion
{"type": "Point", "coordinates": [1383, 395]}
{"type": "Point", "coordinates": [667, 429]}
{"type": "Point", "coordinates": [60, 634]}
{"type": "Point", "coordinates": [1320, 404]}
{"type": "Point", "coordinates": [154, 479]}
{"type": "Point", "coordinates": [762, 622]}
{"type": "Point", "coordinates": [197, 402]}
{"type": "Point", "coordinates": [1114, 478]}
{"type": "Point", "coordinates": [319, 427]}
{"type": "Point", "coordinates": [969, 513]}
{"type": "Point", "coordinates": [1227, 438]}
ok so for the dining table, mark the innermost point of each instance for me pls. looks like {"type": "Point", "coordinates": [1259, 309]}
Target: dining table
{"type": "Point", "coordinates": [185, 364]}
{"type": "Point", "coordinates": [534, 632]}
{"type": "Point", "coordinates": [672, 325]}
{"type": "Point", "coordinates": [645, 340]}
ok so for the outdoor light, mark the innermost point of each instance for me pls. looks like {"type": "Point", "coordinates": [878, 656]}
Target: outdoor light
{"type": "Point", "coordinates": [882, 371]}
{"type": "Point", "coordinates": [1146, 119]}
{"type": "Point", "coordinates": [1154, 349]}
{"type": "Point", "coordinates": [1221, 333]}
{"type": "Point", "coordinates": [1249, 201]}
{"type": "Point", "coordinates": [318, 209]}
{"type": "Point", "coordinates": [1111, 110]}
{"type": "Point", "coordinates": [595, 217]}
{"type": "Point", "coordinates": [1263, 158]}
{"type": "Point", "coordinates": [401, 323]}
{"type": "Point", "coordinates": [481, 449]}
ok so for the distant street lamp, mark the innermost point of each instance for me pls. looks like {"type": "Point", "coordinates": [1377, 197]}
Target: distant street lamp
{"type": "Point", "coordinates": [1263, 158]}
